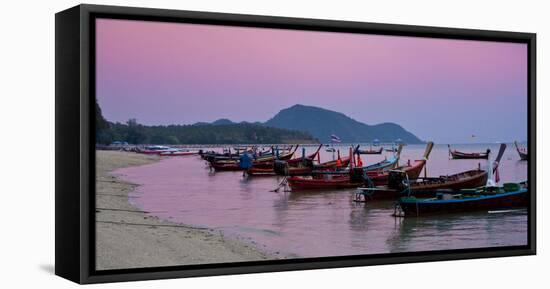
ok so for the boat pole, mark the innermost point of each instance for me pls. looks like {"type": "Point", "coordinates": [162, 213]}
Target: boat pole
{"type": "Point", "coordinates": [490, 181]}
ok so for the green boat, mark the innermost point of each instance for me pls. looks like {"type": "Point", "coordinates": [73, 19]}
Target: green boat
{"type": "Point", "coordinates": [510, 195]}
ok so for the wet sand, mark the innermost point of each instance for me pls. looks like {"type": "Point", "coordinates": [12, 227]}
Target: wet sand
{"type": "Point", "coordinates": [127, 237]}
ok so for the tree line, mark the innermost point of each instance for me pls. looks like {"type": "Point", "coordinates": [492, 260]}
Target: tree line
{"type": "Point", "coordinates": [135, 133]}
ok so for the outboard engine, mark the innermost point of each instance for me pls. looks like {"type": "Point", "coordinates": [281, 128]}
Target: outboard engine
{"type": "Point", "coordinates": [280, 167]}
{"type": "Point", "coordinates": [356, 175]}
{"type": "Point", "coordinates": [397, 180]}
{"type": "Point", "coordinates": [307, 163]}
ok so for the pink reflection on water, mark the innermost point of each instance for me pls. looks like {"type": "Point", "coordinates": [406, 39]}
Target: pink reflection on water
{"type": "Point", "coordinates": [182, 189]}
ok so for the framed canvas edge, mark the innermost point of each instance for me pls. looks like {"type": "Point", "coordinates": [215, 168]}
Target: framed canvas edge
{"type": "Point", "coordinates": [86, 156]}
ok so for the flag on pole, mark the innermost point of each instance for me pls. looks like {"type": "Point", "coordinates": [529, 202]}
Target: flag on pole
{"type": "Point", "coordinates": [335, 138]}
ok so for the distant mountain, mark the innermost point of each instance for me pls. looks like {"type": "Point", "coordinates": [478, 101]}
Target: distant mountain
{"type": "Point", "coordinates": [223, 121]}
{"type": "Point", "coordinates": [321, 123]}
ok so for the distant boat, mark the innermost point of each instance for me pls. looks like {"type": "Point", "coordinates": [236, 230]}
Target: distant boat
{"type": "Point", "coordinates": [392, 149]}
{"type": "Point", "coordinates": [521, 151]}
{"type": "Point", "coordinates": [462, 155]}
{"type": "Point", "coordinates": [369, 151]}
{"type": "Point", "coordinates": [155, 150]}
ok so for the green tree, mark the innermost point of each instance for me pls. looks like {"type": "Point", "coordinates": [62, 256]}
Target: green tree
{"type": "Point", "coordinates": [134, 133]}
{"type": "Point", "coordinates": [103, 134]}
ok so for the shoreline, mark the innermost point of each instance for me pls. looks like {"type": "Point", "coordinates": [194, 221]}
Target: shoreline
{"type": "Point", "coordinates": [127, 237]}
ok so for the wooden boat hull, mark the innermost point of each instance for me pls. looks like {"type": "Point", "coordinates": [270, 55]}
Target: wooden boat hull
{"type": "Point", "coordinates": [226, 166]}
{"type": "Point", "coordinates": [234, 165]}
{"type": "Point", "coordinates": [465, 180]}
{"type": "Point", "coordinates": [255, 171]}
{"type": "Point", "coordinates": [462, 156]}
{"type": "Point", "coordinates": [336, 180]}
{"type": "Point", "coordinates": [471, 156]}
{"type": "Point", "coordinates": [412, 171]}
{"type": "Point", "coordinates": [309, 170]}
{"type": "Point", "coordinates": [370, 152]}
{"type": "Point", "coordinates": [383, 165]}
{"type": "Point", "coordinates": [424, 188]}
{"type": "Point", "coordinates": [322, 183]}
{"type": "Point", "coordinates": [283, 157]}
{"type": "Point", "coordinates": [422, 207]}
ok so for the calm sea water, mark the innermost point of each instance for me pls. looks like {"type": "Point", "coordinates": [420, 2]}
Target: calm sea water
{"type": "Point", "coordinates": [328, 223]}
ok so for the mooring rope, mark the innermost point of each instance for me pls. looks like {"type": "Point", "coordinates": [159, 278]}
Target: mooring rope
{"type": "Point", "coordinates": [282, 184]}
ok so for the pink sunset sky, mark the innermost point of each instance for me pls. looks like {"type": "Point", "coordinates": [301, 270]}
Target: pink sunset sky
{"type": "Point", "coordinates": [438, 89]}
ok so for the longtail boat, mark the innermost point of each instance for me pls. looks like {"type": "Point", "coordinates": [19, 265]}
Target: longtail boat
{"type": "Point", "coordinates": [521, 151]}
{"type": "Point", "coordinates": [464, 180]}
{"type": "Point", "coordinates": [262, 162]}
{"type": "Point", "coordinates": [305, 166]}
{"type": "Point", "coordinates": [331, 166]}
{"type": "Point", "coordinates": [212, 156]}
{"type": "Point", "coordinates": [510, 195]}
{"type": "Point", "coordinates": [399, 184]}
{"type": "Point", "coordinates": [304, 158]}
{"type": "Point", "coordinates": [462, 155]}
{"type": "Point", "coordinates": [370, 151]}
{"type": "Point", "coordinates": [272, 170]}
{"type": "Point", "coordinates": [412, 171]}
{"type": "Point", "coordinates": [351, 178]}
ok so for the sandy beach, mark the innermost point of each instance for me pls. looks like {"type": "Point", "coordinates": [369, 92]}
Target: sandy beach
{"type": "Point", "coordinates": [127, 237]}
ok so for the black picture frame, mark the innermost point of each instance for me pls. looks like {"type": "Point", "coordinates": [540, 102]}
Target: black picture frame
{"type": "Point", "coordinates": [75, 142]}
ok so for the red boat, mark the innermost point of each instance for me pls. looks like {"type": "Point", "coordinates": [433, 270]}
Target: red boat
{"type": "Point", "coordinates": [462, 155]}
{"type": "Point", "coordinates": [258, 171]}
{"type": "Point", "coordinates": [226, 166]}
{"type": "Point", "coordinates": [351, 178]}
{"type": "Point", "coordinates": [324, 182]}
{"type": "Point", "coordinates": [326, 166]}
{"type": "Point", "coordinates": [311, 157]}
{"type": "Point", "coordinates": [413, 171]}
